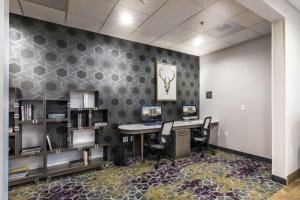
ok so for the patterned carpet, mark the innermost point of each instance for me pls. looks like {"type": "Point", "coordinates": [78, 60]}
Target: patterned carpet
{"type": "Point", "coordinates": [223, 176]}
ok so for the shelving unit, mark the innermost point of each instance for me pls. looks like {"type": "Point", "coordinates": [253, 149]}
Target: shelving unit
{"type": "Point", "coordinates": [67, 133]}
{"type": "Point", "coordinates": [14, 94]}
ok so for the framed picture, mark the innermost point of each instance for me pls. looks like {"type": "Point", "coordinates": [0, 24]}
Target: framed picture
{"type": "Point", "coordinates": [166, 82]}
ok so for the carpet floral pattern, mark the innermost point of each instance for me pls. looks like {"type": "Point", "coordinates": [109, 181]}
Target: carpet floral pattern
{"type": "Point", "coordinates": [222, 176]}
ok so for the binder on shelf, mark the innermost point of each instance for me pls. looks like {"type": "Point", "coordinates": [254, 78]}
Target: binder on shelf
{"type": "Point", "coordinates": [85, 101]}
{"type": "Point", "coordinates": [26, 112]}
{"type": "Point", "coordinates": [86, 157]}
{"type": "Point", "coordinates": [49, 142]}
{"type": "Point", "coordinates": [22, 113]}
{"type": "Point", "coordinates": [79, 118]}
{"type": "Point", "coordinates": [29, 112]}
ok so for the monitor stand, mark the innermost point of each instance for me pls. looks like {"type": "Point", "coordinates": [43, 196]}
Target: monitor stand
{"type": "Point", "coordinates": [152, 123]}
{"type": "Point", "coordinates": [190, 118]}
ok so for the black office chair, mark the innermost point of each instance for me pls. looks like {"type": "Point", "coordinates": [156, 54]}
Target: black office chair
{"type": "Point", "coordinates": [161, 142]}
{"type": "Point", "coordinates": [201, 136]}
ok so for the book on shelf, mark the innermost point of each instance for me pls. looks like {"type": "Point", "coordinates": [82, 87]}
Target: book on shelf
{"type": "Point", "coordinates": [56, 116]}
{"type": "Point", "coordinates": [26, 112]}
{"type": "Point", "coordinates": [86, 157]}
{"type": "Point", "coordinates": [79, 120]}
{"type": "Point", "coordinates": [19, 172]}
{"type": "Point", "coordinates": [49, 142]}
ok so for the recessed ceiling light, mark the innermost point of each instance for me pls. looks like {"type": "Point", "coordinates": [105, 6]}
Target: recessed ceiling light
{"type": "Point", "coordinates": [197, 41]}
{"type": "Point", "coordinates": [126, 18]}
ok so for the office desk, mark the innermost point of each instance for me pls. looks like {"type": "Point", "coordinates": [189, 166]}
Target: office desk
{"type": "Point", "coordinates": [141, 129]}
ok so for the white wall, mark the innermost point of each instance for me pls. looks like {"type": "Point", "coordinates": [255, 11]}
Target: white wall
{"type": "Point", "coordinates": [4, 99]}
{"type": "Point", "coordinates": [292, 68]}
{"type": "Point", "coordinates": [278, 100]}
{"type": "Point", "coordinates": [237, 76]}
{"type": "Point", "coordinates": [292, 84]}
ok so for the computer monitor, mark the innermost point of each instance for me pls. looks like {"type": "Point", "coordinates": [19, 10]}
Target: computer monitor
{"type": "Point", "coordinates": [151, 114]}
{"type": "Point", "coordinates": [189, 112]}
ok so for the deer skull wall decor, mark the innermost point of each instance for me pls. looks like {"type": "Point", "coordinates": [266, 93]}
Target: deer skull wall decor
{"type": "Point", "coordinates": [167, 80]}
{"type": "Point", "coordinates": [166, 87]}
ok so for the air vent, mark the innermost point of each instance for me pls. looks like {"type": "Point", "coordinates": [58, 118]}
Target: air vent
{"type": "Point", "coordinates": [228, 27]}
{"type": "Point", "coordinates": [223, 27]}
{"type": "Point", "coordinates": [56, 4]}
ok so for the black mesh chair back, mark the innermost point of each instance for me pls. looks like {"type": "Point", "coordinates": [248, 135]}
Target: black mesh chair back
{"type": "Point", "coordinates": [205, 128]}
{"type": "Point", "coordinates": [165, 132]}
{"type": "Point", "coordinates": [162, 141]}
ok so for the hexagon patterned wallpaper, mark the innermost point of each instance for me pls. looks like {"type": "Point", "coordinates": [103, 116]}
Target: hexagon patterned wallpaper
{"type": "Point", "coordinates": [48, 60]}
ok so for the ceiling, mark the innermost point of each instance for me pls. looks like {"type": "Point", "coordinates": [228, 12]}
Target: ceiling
{"type": "Point", "coordinates": [295, 4]}
{"type": "Point", "coordinates": [195, 27]}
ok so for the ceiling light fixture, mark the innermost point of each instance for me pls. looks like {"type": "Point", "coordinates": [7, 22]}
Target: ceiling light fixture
{"type": "Point", "coordinates": [126, 18]}
{"type": "Point", "coordinates": [197, 41]}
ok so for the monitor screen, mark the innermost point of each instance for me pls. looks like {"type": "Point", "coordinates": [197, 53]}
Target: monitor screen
{"type": "Point", "coordinates": [189, 112]}
{"type": "Point", "coordinates": [151, 114]}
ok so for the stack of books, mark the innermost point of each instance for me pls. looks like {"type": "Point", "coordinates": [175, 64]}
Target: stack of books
{"type": "Point", "coordinates": [19, 172]}
{"type": "Point", "coordinates": [56, 116]}
{"type": "Point", "coordinates": [31, 150]}
{"type": "Point", "coordinates": [26, 112]}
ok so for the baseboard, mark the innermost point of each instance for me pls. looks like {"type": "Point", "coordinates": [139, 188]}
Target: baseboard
{"type": "Point", "coordinates": [267, 160]}
{"type": "Point", "coordinates": [278, 179]}
{"type": "Point", "coordinates": [293, 176]}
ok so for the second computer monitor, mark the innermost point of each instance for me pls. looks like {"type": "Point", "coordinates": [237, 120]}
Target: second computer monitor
{"type": "Point", "coordinates": [151, 114]}
{"type": "Point", "coordinates": [189, 112]}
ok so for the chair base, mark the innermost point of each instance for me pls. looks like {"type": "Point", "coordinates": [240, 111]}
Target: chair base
{"type": "Point", "coordinates": [207, 149]}
{"type": "Point", "coordinates": [164, 155]}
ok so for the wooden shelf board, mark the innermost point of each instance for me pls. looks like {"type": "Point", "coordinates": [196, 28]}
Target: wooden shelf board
{"type": "Point", "coordinates": [63, 169]}
{"type": "Point", "coordinates": [30, 99]}
{"type": "Point", "coordinates": [87, 109]}
{"type": "Point", "coordinates": [39, 121]}
{"type": "Point", "coordinates": [75, 148]}
{"type": "Point", "coordinates": [25, 156]}
{"type": "Point", "coordinates": [57, 100]}
{"type": "Point", "coordinates": [83, 128]}
{"type": "Point", "coordinates": [32, 175]}
{"type": "Point", "coordinates": [84, 145]}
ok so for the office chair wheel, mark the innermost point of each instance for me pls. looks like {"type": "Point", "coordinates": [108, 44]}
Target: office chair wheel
{"type": "Point", "coordinates": [156, 166]}
{"type": "Point", "coordinates": [173, 164]}
{"type": "Point", "coordinates": [202, 155]}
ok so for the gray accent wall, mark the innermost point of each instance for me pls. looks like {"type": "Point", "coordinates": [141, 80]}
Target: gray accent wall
{"type": "Point", "coordinates": [240, 80]}
{"type": "Point", "coordinates": [48, 60]}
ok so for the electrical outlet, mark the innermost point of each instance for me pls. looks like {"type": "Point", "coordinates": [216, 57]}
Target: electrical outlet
{"type": "Point", "coordinates": [125, 139]}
